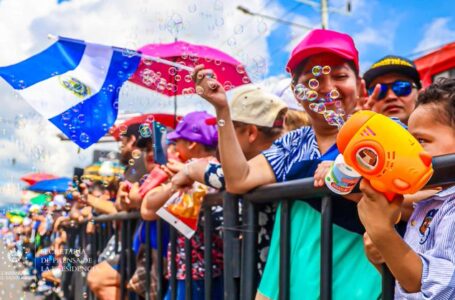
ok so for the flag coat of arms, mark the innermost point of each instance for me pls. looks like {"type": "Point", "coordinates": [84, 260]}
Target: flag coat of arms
{"type": "Point", "coordinates": [75, 85]}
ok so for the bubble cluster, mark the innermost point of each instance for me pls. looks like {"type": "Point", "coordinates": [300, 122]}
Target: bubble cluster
{"type": "Point", "coordinates": [319, 104]}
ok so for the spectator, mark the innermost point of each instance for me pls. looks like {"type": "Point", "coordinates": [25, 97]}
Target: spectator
{"type": "Point", "coordinates": [423, 263]}
{"type": "Point", "coordinates": [195, 137]}
{"type": "Point", "coordinates": [258, 122]}
{"type": "Point", "coordinates": [392, 85]}
{"type": "Point", "coordinates": [104, 278]}
{"type": "Point", "coordinates": [296, 155]}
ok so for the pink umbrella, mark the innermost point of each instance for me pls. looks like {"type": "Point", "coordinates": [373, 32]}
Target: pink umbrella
{"type": "Point", "coordinates": [33, 178]}
{"type": "Point", "coordinates": [170, 80]}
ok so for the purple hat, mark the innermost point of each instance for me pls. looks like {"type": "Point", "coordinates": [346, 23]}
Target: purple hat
{"type": "Point", "coordinates": [196, 127]}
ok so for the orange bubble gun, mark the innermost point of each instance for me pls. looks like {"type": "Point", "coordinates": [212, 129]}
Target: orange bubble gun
{"type": "Point", "coordinates": [385, 153]}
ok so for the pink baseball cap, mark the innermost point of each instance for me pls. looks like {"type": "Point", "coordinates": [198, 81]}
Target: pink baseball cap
{"type": "Point", "coordinates": [320, 41]}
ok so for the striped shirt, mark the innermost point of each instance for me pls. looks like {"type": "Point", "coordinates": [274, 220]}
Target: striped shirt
{"type": "Point", "coordinates": [431, 233]}
{"type": "Point", "coordinates": [289, 152]}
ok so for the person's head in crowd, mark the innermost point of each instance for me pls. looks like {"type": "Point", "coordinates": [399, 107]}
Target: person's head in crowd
{"type": "Point", "coordinates": [195, 136]}
{"type": "Point", "coordinates": [128, 141]}
{"type": "Point", "coordinates": [295, 119]}
{"type": "Point", "coordinates": [258, 118]}
{"type": "Point", "coordinates": [337, 51]}
{"type": "Point", "coordinates": [97, 188]}
{"type": "Point", "coordinates": [433, 121]}
{"type": "Point", "coordinates": [392, 85]}
{"type": "Point", "coordinates": [146, 146]}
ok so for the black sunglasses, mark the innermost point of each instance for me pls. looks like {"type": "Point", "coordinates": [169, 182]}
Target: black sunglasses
{"type": "Point", "coordinates": [399, 87]}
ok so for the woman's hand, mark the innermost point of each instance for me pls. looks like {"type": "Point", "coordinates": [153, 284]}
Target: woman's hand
{"type": "Point", "coordinates": [209, 88]}
{"type": "Point", "coordinates": [321, 172]}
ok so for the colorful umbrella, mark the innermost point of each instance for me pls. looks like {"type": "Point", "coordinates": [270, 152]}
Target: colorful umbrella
{"type": "Point", "coordinates": [33, 178]}
{"type": "Point", "coordinates": [172, 80]}
{"type": "Point", "coordinates": [105, 171]}
{"type": "Point", "coordinates": [41, 199]}
{"type": "Point", "coordinates": [57, 185]}
{"type": "Point", "coordinates": [27, 195]}
{"type": "Point", "coordinates": [16, 216]}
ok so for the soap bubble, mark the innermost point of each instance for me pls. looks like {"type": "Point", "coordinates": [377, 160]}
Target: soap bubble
{"type": "Point", "coordinates": [334, 94]}
{"type": "Point", "coordinates": [84, 138]}
{"type": "Point", "coordinates": [311, 95]}
{"type": "Point", "coordinates": [316, 70]}
{"type": "Point", "coordinates": [136, 153]}
{"type": "Point", "coordinates": [145, 131]}
{"type": "Point", "coordinates": [313, 83]}
{"type": "Point", "coordinates": [326, 70]}
{"type": "Point", "coordinates": [300, 92]}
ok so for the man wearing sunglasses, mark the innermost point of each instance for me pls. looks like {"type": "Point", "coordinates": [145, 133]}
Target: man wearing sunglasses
{"type": "Point", "coordinates": [392, 84]}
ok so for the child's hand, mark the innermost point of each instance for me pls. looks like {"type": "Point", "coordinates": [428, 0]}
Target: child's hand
{"type": "Point", "coordinates": [134, 195]}
{"type": "Point", "coordinates": [321, 171]}
{"type": "Point", "coordinates": [375, 212]}
{"type": "Point", "coordinates": [181, 180]}
{"type": "Point", "coordinates": [373, 254]}
{"type": "Point", "coordinates": [175, 166]}
{"type": "Point", "coordinates": [209, 88]}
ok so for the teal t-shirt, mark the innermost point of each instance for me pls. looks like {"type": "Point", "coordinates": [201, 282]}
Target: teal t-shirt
{"type": "Point", "coordinates": [294, 156]}
{"type": "Point", "coordinates": [354, 278]}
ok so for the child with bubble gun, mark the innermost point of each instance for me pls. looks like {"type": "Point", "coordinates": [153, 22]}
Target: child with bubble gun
{"type": "Point", "coordinates": [385, 153]}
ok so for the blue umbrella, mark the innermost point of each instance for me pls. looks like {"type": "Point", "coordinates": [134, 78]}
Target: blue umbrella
{"type": "Point", "coordinates": [58, 185]}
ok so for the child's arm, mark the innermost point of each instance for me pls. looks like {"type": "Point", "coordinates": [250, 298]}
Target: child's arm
{"type": "Point", "coordinates": [154, 199]}
{"type": "Point", "coordinates": [379, 217]}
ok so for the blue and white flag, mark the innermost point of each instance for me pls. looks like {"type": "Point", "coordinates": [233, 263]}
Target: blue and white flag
{"type": "Point", "coordinates": [75, 85]}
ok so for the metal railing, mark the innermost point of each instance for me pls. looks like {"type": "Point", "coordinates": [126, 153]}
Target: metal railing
{"type": "Point", "coordinates": [240, 239]}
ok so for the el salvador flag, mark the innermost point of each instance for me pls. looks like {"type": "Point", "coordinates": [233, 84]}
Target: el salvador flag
{"type": "Point", "coordinates": [75, 85]}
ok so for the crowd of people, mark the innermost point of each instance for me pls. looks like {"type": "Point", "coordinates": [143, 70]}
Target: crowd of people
{"type": "Point", "coordinates": [255, 140]}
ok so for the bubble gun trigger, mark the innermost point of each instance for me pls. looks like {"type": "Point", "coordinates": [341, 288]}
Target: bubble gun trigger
{"type": "Point", "coordinates": [390, 196]}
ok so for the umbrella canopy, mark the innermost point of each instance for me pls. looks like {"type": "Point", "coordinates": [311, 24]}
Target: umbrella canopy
{"type": "Point", "coordinates": [16, 216]}
{"type": "Point", "coordinates": [165, 119]}
{"type": "Point", "coordinates": [57, 185]}
{"type": "Point", "coordinates": [33, 178]}
{"type": "Point", "coordinates": [105, 171]}
{"type": "Point", "coordinates": [27, 196]}
{"type": "Point", "coordinates": [171, 81]}
{"type": "Point", "coordinates": [41, 199]}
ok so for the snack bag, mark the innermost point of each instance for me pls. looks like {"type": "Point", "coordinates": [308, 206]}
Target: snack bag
{"type": "Point", "coordinates": [182, 209]}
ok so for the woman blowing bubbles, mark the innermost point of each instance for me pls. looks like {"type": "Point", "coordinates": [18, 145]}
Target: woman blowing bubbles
{"type": "Point", "coordinates": [297, 155]}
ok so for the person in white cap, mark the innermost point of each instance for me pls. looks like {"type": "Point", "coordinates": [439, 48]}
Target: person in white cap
{"type": "Point", "coordinates": [258, 118]}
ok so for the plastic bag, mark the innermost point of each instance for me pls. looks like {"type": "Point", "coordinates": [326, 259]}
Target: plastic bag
{"type": "Point", "coordinates": [182, 209]}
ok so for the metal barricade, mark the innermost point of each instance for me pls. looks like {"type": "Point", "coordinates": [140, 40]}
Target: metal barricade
{"type": "Point", "coordinates": [240, 278]}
